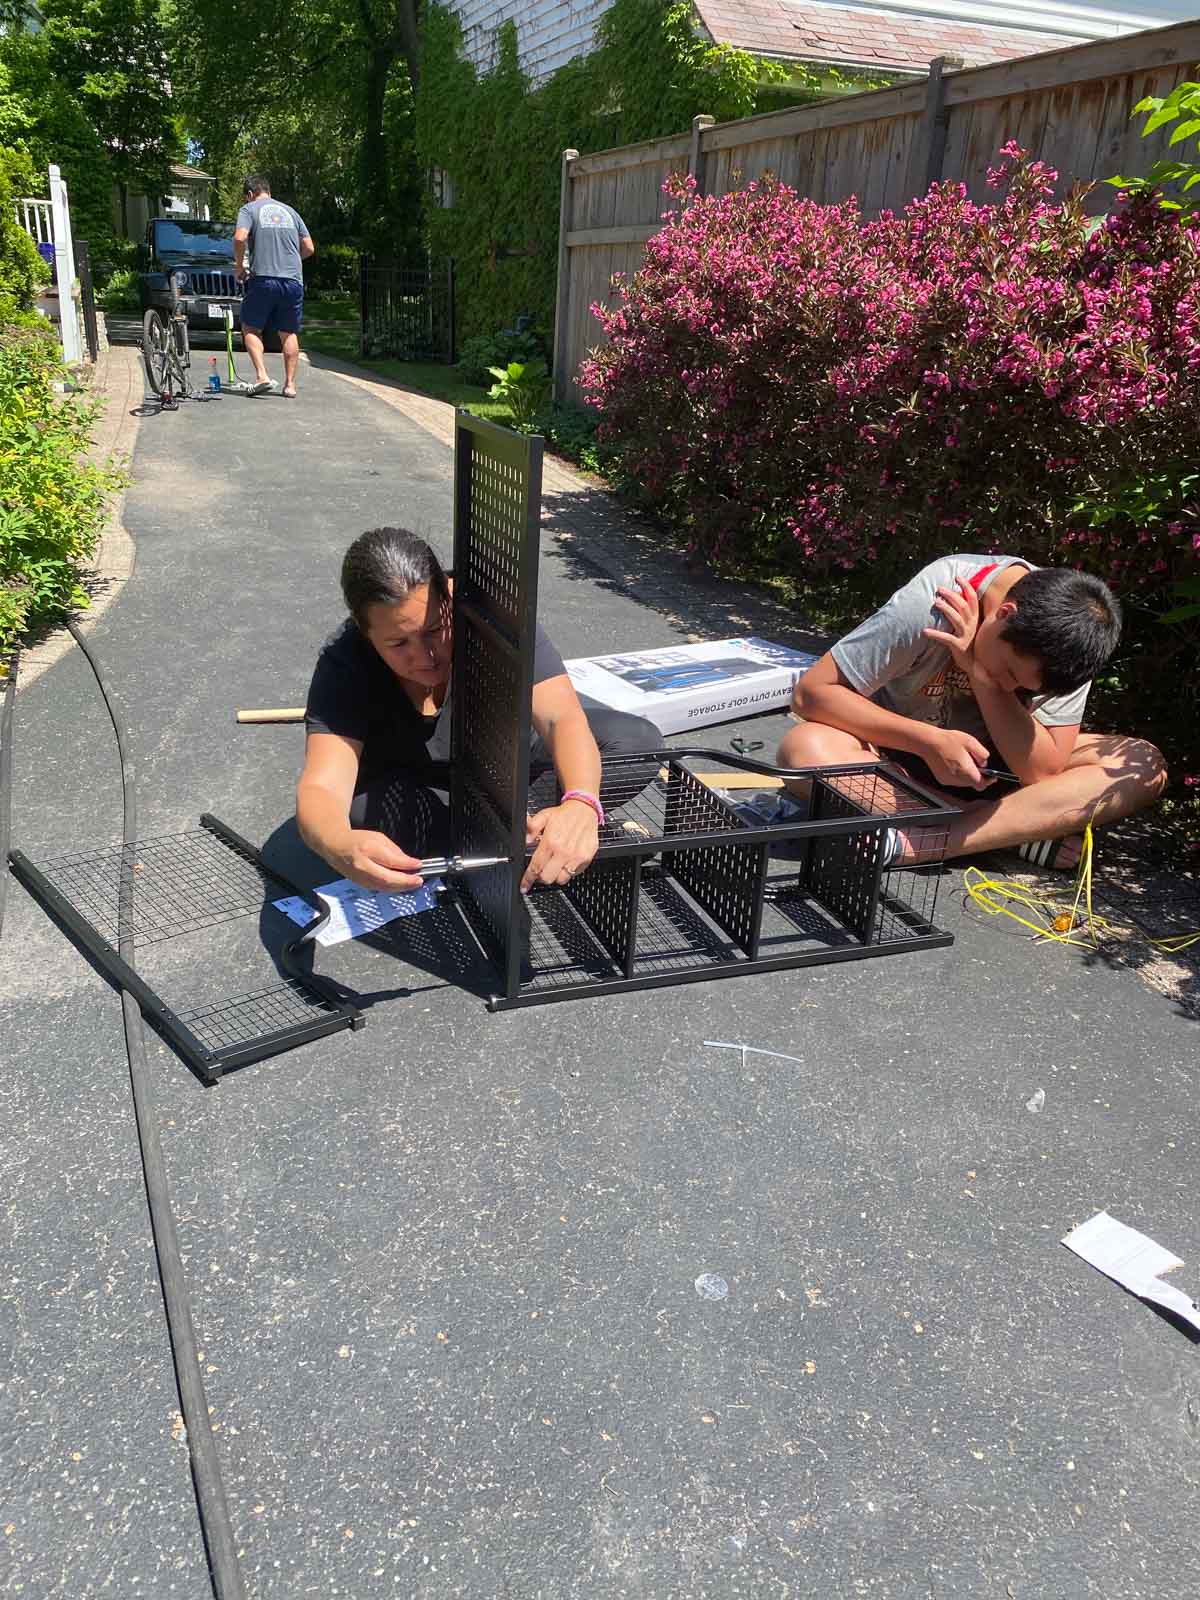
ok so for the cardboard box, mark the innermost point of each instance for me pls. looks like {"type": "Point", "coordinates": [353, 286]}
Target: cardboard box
{"type": "Point", "coordinates": [691, 685]}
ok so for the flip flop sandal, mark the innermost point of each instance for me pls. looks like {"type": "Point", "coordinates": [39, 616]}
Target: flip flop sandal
{"type": "Point", "coordinates": [1044, 853]}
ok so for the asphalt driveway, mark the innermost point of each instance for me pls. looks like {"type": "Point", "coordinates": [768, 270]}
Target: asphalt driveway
{"type": "Point", "coordinates": [444, 1270]}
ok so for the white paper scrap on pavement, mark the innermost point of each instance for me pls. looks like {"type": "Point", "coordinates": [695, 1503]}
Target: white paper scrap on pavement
{"type": "Point", "coordinates": [1134, 1261]}
{"type": "Point", "coordinates": [354, 911]}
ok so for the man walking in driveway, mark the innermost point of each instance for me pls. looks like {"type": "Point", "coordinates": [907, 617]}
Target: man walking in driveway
{"type": "Point", "coordinates": [273, 293]}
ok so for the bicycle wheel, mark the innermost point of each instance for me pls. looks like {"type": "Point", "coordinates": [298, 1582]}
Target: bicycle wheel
{"type": "Point", "coordinates": [156, 355]}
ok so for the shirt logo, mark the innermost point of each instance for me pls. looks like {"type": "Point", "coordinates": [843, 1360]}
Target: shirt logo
{"type": "Point", "coordinates": [274, 217]}
{"type": "Point", "coordinates": [950, 683]}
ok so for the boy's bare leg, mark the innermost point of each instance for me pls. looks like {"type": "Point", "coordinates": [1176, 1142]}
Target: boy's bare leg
{"type": "Point", "coordinates": [815, 744]}
{"type": "Point", "coordinates": [291, 357]}
{"type": "Point", "coordinates": [1108, 776]}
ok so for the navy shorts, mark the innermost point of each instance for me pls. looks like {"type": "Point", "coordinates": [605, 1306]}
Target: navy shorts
{"type": "Point", "coordinates": [273, 303]}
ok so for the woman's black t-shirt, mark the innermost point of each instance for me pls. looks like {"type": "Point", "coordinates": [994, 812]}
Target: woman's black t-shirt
{"type": "Point", "coordinates": [355, 693]}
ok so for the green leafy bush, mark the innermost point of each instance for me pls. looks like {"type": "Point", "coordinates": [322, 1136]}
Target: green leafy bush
{"type": "Point", "coordinates": [570, 431]}
{"type": "Point", "coordinates": [333, 270]}
{"type": "Point", "coordinates": [801, 391]}
{"type": "Point", "coordinates": [57, 129]}
{"type": "Point", "coordinates": [121, 292]}
{"type": "Point", "coordinates": [523, 387]}
{"type": "Point", "coordinates": [1181, 107]}
{"type": "Point", "coordinates": [485, 351]}
{"type": "Point", "coordinates": [52, 500]}
{"type": "Point", "coordinates": [21, 267]}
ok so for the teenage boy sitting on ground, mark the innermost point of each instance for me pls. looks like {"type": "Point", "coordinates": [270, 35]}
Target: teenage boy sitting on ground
{"type": "Point", "coordinates": [983, 661]}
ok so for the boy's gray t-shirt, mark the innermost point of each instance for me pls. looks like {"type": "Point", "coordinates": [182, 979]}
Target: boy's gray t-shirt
{"type": "Point", "coordinates": [888, 659]}
{"type": "Point", "coordinates": [275, 234]}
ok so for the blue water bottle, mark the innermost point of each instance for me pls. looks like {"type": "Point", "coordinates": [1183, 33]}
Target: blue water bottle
{"type": "Point", "coordinates": [214, 377]}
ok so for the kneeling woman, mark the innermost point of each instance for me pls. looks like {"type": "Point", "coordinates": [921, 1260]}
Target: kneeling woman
{"type": "Point", "coordinates": [371, 798]}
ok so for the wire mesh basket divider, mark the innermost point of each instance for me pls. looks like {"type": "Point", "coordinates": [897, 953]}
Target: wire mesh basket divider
{"type": "Point", "coordinates": [168, 888]}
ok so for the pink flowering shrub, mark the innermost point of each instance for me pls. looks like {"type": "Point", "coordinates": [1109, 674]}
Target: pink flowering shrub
{"type": "Point", "coordinates": [791, 383]}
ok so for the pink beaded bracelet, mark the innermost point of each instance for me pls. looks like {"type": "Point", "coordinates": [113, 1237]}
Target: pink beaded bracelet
{"type": "Point", "coordinates": [589, 800]}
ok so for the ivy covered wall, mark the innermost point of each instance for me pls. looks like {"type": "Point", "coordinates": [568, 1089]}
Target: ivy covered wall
{"type": "Point", "coordinates": [499, 140]}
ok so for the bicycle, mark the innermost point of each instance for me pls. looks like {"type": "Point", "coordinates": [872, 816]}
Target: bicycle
{"type": "Point", "coordinates": [167, 351]}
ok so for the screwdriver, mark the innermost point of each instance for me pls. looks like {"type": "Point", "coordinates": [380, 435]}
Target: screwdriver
{"type": "Point", "coordinates": [452, 866]}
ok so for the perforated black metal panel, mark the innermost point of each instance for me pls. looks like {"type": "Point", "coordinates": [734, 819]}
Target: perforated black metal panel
{"type": "Point", "coordinates": [842, 870]}
{"type": "Point", "coordinates": [494, 757]}
{"type": "Point", "coordinates": [606, 897]}
{"type": "Point", "coordinates": [491, 566]}
{"type": "Point", "coordinates": [497, 511]}
{"type": "Point", "coordinates": [693, 807]}
{"type": "Point", "coordinates": [726, 879]}
{"type": "Point", "coordinates": [490, 892]}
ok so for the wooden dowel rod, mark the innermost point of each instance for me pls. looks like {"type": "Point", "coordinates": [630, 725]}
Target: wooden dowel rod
{"type": "Point", "coordinates": [273, 714]}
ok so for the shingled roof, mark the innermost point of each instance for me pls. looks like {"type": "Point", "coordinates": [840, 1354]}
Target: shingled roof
{"type": "Point", "coordinates": [868, 36]}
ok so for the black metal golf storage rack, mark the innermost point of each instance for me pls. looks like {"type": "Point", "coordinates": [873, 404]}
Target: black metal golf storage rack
{"type": "Point", "coordinates": [683, 886]}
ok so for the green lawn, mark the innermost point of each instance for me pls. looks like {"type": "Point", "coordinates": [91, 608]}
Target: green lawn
{"type": "Point", "coordinates": [427, 377]}
{"type": "Point", "coordinates": [331, 307]}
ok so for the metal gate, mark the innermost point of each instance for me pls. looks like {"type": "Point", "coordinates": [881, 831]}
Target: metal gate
{"type": "Point", "coordinates": [407, 314]}
{"type": "Point", "coordinates": [87, 297]}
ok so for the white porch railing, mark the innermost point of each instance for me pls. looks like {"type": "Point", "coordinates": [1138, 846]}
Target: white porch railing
{"type": "Point", "coordinates": [49, 222]}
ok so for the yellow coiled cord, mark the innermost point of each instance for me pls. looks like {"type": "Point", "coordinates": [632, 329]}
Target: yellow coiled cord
{"type": "Point", "coordinates": [1056, 919]}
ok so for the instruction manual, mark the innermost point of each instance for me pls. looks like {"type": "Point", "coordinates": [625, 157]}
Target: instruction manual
{"type": "Point", "coordinates": [688, 685]}
{"type": "Point", "coordinates": [354, 911]}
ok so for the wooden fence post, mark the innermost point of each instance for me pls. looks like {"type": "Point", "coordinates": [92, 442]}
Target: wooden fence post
{"type": "Point", "coordinates": [937, 118]}
{"type": "Point", "coordinates": [696, 150]}
{"type": "Point", "coordinates": [562, 296]}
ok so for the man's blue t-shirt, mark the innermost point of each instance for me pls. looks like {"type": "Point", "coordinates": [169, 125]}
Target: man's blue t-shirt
{"type": "Point", "coordinates": [275, 234]}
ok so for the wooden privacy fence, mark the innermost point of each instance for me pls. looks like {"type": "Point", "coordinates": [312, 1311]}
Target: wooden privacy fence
{"type": "Point", "coordinates": [1071, 108]}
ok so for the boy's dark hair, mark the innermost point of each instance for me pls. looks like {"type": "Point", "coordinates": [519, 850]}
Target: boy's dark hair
{"type": "Point", "coordinates": [1069, 621]}
{"type": "Point", "coordinates": [384, 566]}
{"type": "Point", "coordinates": [255, 183]}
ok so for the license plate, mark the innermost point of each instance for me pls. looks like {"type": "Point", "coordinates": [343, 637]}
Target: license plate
{"type": "Point", "coordinates": [217, 311]}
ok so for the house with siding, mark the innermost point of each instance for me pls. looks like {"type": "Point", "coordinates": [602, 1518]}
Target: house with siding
{"type": "Point", "coordinates": [893, 38]}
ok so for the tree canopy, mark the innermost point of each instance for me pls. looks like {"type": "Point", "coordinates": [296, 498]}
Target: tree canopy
{"type": "Point", "coordinates": [333, 130]}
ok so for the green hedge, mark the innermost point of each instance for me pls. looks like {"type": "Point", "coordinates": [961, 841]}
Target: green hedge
{"type": "Point", "coordinates": [21, 267]}
{"type": "Point", "coordinates": [500, 140]}
{"type": "Point", "coordinates": [52, 500]}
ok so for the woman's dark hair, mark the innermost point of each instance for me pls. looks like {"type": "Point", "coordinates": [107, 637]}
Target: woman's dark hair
{"type": "Point", "coordinates": [1069, 621]}
{"type": "Point", "coordinates": [384, 566]}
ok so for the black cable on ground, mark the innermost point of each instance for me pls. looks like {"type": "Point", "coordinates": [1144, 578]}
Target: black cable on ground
{"type": "Point", "coordinates": [6, 723]}
{"type": "Point", "coordinates": [206, 1470]}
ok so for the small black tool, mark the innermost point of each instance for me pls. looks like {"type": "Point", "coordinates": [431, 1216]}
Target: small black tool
{"type": "Point", "coordinates": [454, 866]}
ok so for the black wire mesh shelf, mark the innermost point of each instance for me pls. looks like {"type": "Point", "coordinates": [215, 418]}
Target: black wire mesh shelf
{"type": "Point", "coordinates": [686, 886]}
{"type": "Point", "coordinates": [178, 890]}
